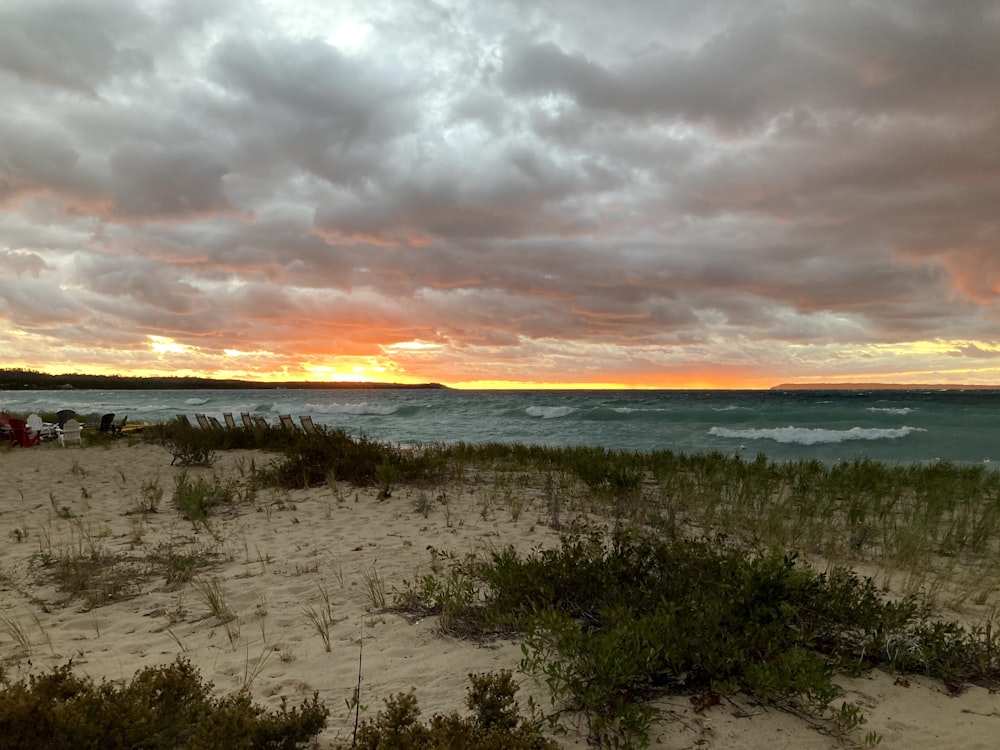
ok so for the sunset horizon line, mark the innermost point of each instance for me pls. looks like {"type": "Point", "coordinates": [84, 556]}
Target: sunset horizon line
{"type": "Point", "coordinates": [272, 381]}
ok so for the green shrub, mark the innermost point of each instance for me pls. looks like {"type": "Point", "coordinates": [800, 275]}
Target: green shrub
{"type": "Point", "coordinates": [161, 708]}
{"type": "Point", "coordinates": [187, 445]}
{"type": "Point", "coordinates": [611, 623]}
{"type": "Point", "coordinates": [196, 498]}
{"type": "Point", "coordinates": [309, 460]}
{"type": "Point", "coordinates": [495, 723]}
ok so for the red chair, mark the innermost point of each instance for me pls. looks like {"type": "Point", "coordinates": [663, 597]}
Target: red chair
{"type": "Point", "coordinates": [20, 435]}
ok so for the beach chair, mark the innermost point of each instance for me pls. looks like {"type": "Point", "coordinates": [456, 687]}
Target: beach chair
{"type": "Point", "coordinates": [245, 416]}
{"type": "Point", "coordinates": [307, 424]}
{"type": "Point", "coordinates": [71, 432]}
{"type": "Point", "coordinates": [260, 422]}
{"type": "Point", "coordinates": [37, 427]}
{"type": "Point", "coordinates": [107, 425]}
{"type": "Point", "coordinates": [203, 421]}
{"type": "Point", "coordinates": [183, 419]}
{"type": "Point", "coordinates": [287, 423]}
{"type": "Point", "coordinates": [63, 416]}
{"type": "Point", "coordinates": [18, 433]}
{"type": "Point", "coordinates": [230, 422]}
{"type": "Point", "coordinates": [216, 425]}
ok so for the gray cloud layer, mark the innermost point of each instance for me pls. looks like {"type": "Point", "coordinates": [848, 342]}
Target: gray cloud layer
{"type": "Point", "coordinates": [532, 191]}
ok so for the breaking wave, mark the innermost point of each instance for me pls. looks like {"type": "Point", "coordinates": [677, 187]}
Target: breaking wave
{"type": "Point", "coordinates": [814, 436]}
{"type": "Point", "coordinates": [380, 410]}
{"type": "Point", "coordinates": [549, 412]}
{"type": "Point", "coordinates": [195, 401]}
{"type": "Point", "coordinates": [890, 410]}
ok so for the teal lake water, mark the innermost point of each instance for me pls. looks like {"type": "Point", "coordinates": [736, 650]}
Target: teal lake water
{"type": "Point", "coordinates": [892, 426]}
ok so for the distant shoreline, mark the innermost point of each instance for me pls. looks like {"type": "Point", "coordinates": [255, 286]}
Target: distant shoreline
{"type": "Point", "coordinates": [18, 379]}
{"type": "Point", "coordinates": [882, 387]}
{"type": "Point", "coordinates": [15, 379]}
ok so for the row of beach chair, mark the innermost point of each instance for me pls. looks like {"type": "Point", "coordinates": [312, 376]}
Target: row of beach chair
{"type": "Point", "coordinates": [211, 423]}
{"type": "Point", "coordinates": [30, 432]}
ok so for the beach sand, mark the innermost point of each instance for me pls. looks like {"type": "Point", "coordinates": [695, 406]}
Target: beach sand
{"type": "Point", "coordinates": [291, 551]}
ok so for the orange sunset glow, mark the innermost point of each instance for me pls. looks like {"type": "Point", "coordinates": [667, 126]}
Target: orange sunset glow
{"type": "Point", "coordinates": [655, 195]}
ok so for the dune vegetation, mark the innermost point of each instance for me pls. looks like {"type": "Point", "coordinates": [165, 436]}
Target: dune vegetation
{"type": "Point", "coordinates": [702, 575]}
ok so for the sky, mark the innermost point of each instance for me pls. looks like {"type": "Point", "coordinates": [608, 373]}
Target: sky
{"type": "Point", "coordinates": [648, 193]}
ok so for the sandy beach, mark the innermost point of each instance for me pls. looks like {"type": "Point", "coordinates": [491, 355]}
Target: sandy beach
{"type": "Point", "coordinates": [287, 554]}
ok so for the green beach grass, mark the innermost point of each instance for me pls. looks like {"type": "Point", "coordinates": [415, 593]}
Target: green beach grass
{"type": "Point", "coordinates": [705, 575]}
{"type": "Point", "coordinates": [930, 533]}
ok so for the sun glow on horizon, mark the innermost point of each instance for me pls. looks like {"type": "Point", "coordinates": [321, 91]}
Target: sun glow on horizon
{"type": "Point", "coordinates": [336, 374]}
{"type": "Point", "coordinates": [412, 346]}
{"type": "Point", "coordinates": [166, 345]}
{"type": "Point", "coordinates": [419, 361]}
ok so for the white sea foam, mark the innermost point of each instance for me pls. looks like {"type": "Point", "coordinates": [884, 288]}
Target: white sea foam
{"type": "Point", "coordinates": [195, 401]}
{"type": "Point", "coordinates": [549, 412]}
{"type": "Point", "coordinates": [632, 410]}
{"type": "Point", "coordinates": [814, 435]}
{"type": "Point", "coordinates": [890, 410]}
{"type": "Point", "coordinates": [362, 409]}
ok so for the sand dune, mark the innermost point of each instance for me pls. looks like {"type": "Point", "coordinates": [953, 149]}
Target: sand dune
{"type": "Point", "coordinates": [288, 552]}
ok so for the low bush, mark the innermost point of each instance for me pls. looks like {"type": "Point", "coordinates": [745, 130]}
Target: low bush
{"type": "Point", "coordinates": [611, 623]}
{"type": "Point", "coordinates": [161, 708]}
{"type": "Point", "coordinates": [187, 445]}
{"type": "Point", "coordinates": [196, 498]}
{"type": "Point", "coordinates": [309, 460]}
{"type": "Point", "coordinates": [495, 723]}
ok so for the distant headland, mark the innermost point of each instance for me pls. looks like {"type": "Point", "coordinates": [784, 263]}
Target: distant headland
{"type": "Point", "coordinates": [16, 379]}
{"type": "Point", "coordinates": [882, 387]}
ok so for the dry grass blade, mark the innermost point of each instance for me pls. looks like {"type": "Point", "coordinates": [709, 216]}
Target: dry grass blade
{"type": "Point", "coordinates": [214, 597]}
{"type": "Point", "coordinates": [13, 627]}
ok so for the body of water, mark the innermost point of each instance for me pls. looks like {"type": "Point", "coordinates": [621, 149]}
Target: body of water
{"type": "Point", "coordinates": [893, 426]}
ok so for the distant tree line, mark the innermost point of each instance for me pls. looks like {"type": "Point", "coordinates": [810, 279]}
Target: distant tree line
{"type": "Point", "coordinates": [11, 379]}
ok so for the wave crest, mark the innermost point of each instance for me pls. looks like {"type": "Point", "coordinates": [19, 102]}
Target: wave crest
{"type": "Point", "coordinates": [814, 435]}
{"type": "Point", "coordinates": [379, 410]}
{"type": "Point", "coordinates": [549, 412]}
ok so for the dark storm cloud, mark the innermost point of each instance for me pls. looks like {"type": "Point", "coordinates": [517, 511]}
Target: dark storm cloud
{"type": "Point", "coordinates": [21, 264]}
{"type": "Point", "coordinates": [144, 283]}
{"type": "Point", "coordinates": [165, 184]}
{"type": "Point", "coordinates": [38, 160]}
{"type": "Point", "coordinates": [303, 104]}
{"type": "Point", "coordinates": [887, 58]}
{"type": "Point", "coordinates": [721, 183]}
{"type": "Point", "coordinates": [73, 46]}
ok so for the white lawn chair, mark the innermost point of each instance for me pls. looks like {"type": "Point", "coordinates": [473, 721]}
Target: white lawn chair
{"type": "Point", "coordinates": [37, 427]}
{"type": "Point", "coordinates": [71, 432]}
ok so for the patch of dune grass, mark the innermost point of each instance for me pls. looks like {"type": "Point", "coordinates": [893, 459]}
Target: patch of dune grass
{"type": "Point", "coordinates": [609, 623]}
